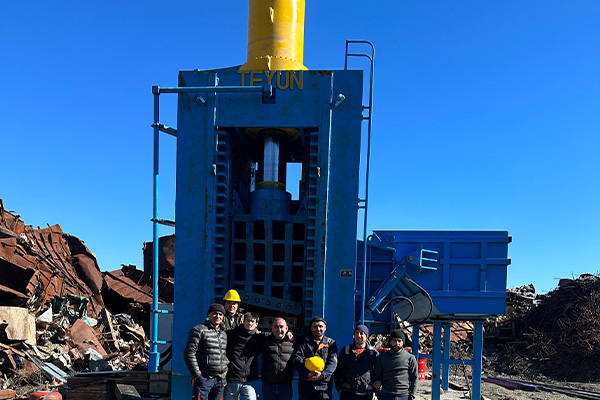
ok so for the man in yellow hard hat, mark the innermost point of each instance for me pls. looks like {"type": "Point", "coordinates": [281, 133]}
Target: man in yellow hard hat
{"type": "Point", "coordinates": [234, 316]}
{"type": "Point", "coordinates": [316, 384]}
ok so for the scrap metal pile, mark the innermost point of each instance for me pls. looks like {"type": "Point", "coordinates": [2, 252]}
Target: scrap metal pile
{"type": "Point", "coordinates": [60, 314]}
{"type": "Point", "coordinates": [556, 335]}
{"type": "Point", "coordinates": [557, 338]}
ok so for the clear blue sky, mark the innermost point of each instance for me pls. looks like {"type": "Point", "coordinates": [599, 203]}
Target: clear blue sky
{"type": "Point", "coordinates": [487, 115]}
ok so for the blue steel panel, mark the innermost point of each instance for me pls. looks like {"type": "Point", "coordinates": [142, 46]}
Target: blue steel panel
{"type": "Point", "coordinates": [293, 107]}
{"type": "Point", "coordinates": [496, 274]}
{"type": "Point", "coordinates": [464, 277]}
{"type": "Point", "coordinates": [342, 197]}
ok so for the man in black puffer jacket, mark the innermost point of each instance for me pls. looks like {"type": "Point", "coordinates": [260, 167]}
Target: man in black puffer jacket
{"type": "Point", "coordinates": [242, 347]}
{"type": "Point", "coordinates": [277, 370]}
{"type": "Point", "coordinates": [205, 356]}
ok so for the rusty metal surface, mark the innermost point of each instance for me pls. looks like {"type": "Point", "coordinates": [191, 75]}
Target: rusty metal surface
{"type": "Point", "coordinates": [8, 290]}
{"type": "Point", "coordinates": [83, 337]}
{"type": "Point", "coordinates": [10, 221]}
{"type": "Point", "coordinates": [41, 264]}
{"type": "Point", "coordinates": [127, 286]}
{"type": "Point", "coordinates": [166, 256]}
{"type": "Point", "coordinates": [135, 285]}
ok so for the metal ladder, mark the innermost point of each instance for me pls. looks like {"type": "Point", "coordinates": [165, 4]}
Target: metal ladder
{"type": "Point", "coordinates": [311, 251]}
{"type": "Point", "coordinates": [364, 203]}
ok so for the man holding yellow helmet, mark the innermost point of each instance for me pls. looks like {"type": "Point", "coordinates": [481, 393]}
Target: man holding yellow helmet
{"type": "Point", "coordinates": [316, 360]}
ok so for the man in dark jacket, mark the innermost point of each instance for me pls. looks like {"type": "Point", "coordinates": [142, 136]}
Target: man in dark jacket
{"type": "Point", "coordinates": [243, 366]}
{"type": "Point", "coordinates": [277, 369]}
{"type": "Point", "coordinates": [356, 368]}
{"type": "Point", "coordinates": [205, 356]}
{"type": "Point", "coordinates": [316, 384]}
{"type": "Point", "coordinates": [396, 371]}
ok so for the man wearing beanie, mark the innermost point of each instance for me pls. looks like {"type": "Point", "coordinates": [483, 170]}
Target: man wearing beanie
{"type": "Point", "coordinates": [356, 368]}
{"type": "Point", "coordinates": [313, 385]}
{"type": "Point", "coordinates": [396, 371]}
{"type": "Point", "coordinates": [205, 355]}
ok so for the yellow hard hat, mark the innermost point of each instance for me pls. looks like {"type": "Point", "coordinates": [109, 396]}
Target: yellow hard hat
{"type": "Point", "coordinates": [232, 295]}
{"type": "Point", "coordinates": [315, 363]}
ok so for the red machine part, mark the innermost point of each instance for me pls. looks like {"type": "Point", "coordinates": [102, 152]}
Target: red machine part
{"type": "Point", "coordinates": [45, 396]}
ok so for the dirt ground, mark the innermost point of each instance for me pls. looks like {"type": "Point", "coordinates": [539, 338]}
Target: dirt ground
{"type": "Point", "coordinates": [491, 391]}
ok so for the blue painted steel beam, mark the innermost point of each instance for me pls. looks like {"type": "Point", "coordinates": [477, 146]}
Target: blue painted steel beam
{"type": "Point", "coordinates": [446, 358]}
{"type": "Point", "coordinates": [210, 89]}
{"type": "Point", "coordinates": [477, 359]}
{"type": "Point", "coordinates": [415, 342]}
{"type": "Point", "coordinates": [436, 361]}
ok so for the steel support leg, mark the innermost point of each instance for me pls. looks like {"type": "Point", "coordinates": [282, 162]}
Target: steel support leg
{"type": "Point", "coordinates": [415, 342]}
{"type": "Point", "coordinates": [446, 358]}
{"type": "Point", "coordinates": [437, 358]}
{"type": "Point", "coordinates": [477, 359]}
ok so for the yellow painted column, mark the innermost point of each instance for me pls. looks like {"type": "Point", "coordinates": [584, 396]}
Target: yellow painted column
{"type": "Point", "coordinates": [275, 35]}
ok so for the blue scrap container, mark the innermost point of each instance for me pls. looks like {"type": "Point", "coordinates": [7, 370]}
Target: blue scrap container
{"type": "Point", "coordinates": [467, 282]}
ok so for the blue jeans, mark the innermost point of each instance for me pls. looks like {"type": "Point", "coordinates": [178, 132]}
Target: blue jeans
{"type": "Point", "coordinates": [243, 390]}
{"type": "Point", "coordinates": [281, 391]}
{"type": "Point", "coordinates": [205, 388]}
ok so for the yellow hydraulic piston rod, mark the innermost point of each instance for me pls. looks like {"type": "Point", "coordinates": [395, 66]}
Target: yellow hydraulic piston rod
{"type": "Point", "coordinates": [275, 35]}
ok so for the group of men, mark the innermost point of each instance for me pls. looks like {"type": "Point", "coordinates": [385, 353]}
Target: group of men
{"type": "Point", "coordinates": [222, 356]}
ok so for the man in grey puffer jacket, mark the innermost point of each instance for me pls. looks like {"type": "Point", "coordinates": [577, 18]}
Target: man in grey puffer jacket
{"type": "Point", "coordinates": [205, 356]}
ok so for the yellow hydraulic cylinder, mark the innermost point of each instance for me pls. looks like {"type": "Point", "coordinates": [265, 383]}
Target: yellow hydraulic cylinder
{"type": "Point", "coordinates": [275, 35]}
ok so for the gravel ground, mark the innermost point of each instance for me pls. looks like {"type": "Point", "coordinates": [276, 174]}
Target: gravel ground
{"type": "Point", "coordinates": [491, 391]}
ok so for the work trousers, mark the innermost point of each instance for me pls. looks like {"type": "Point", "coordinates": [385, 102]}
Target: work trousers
{"type": "Point", "coordinates": [305, 393]}
{"type": "Point", "coordinates": [282, 391]}
{"type": "Point", "coordinates": [208, 388]}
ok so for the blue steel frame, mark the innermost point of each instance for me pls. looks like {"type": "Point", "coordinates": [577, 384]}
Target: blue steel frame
{"type": "Point", "coordinates": [441, 359]}
{"type": "Point", "coordinates": [331, 103]}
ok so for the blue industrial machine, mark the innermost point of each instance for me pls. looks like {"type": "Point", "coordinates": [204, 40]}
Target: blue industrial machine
{"type": "Point", "coordinates": [237, 225]}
